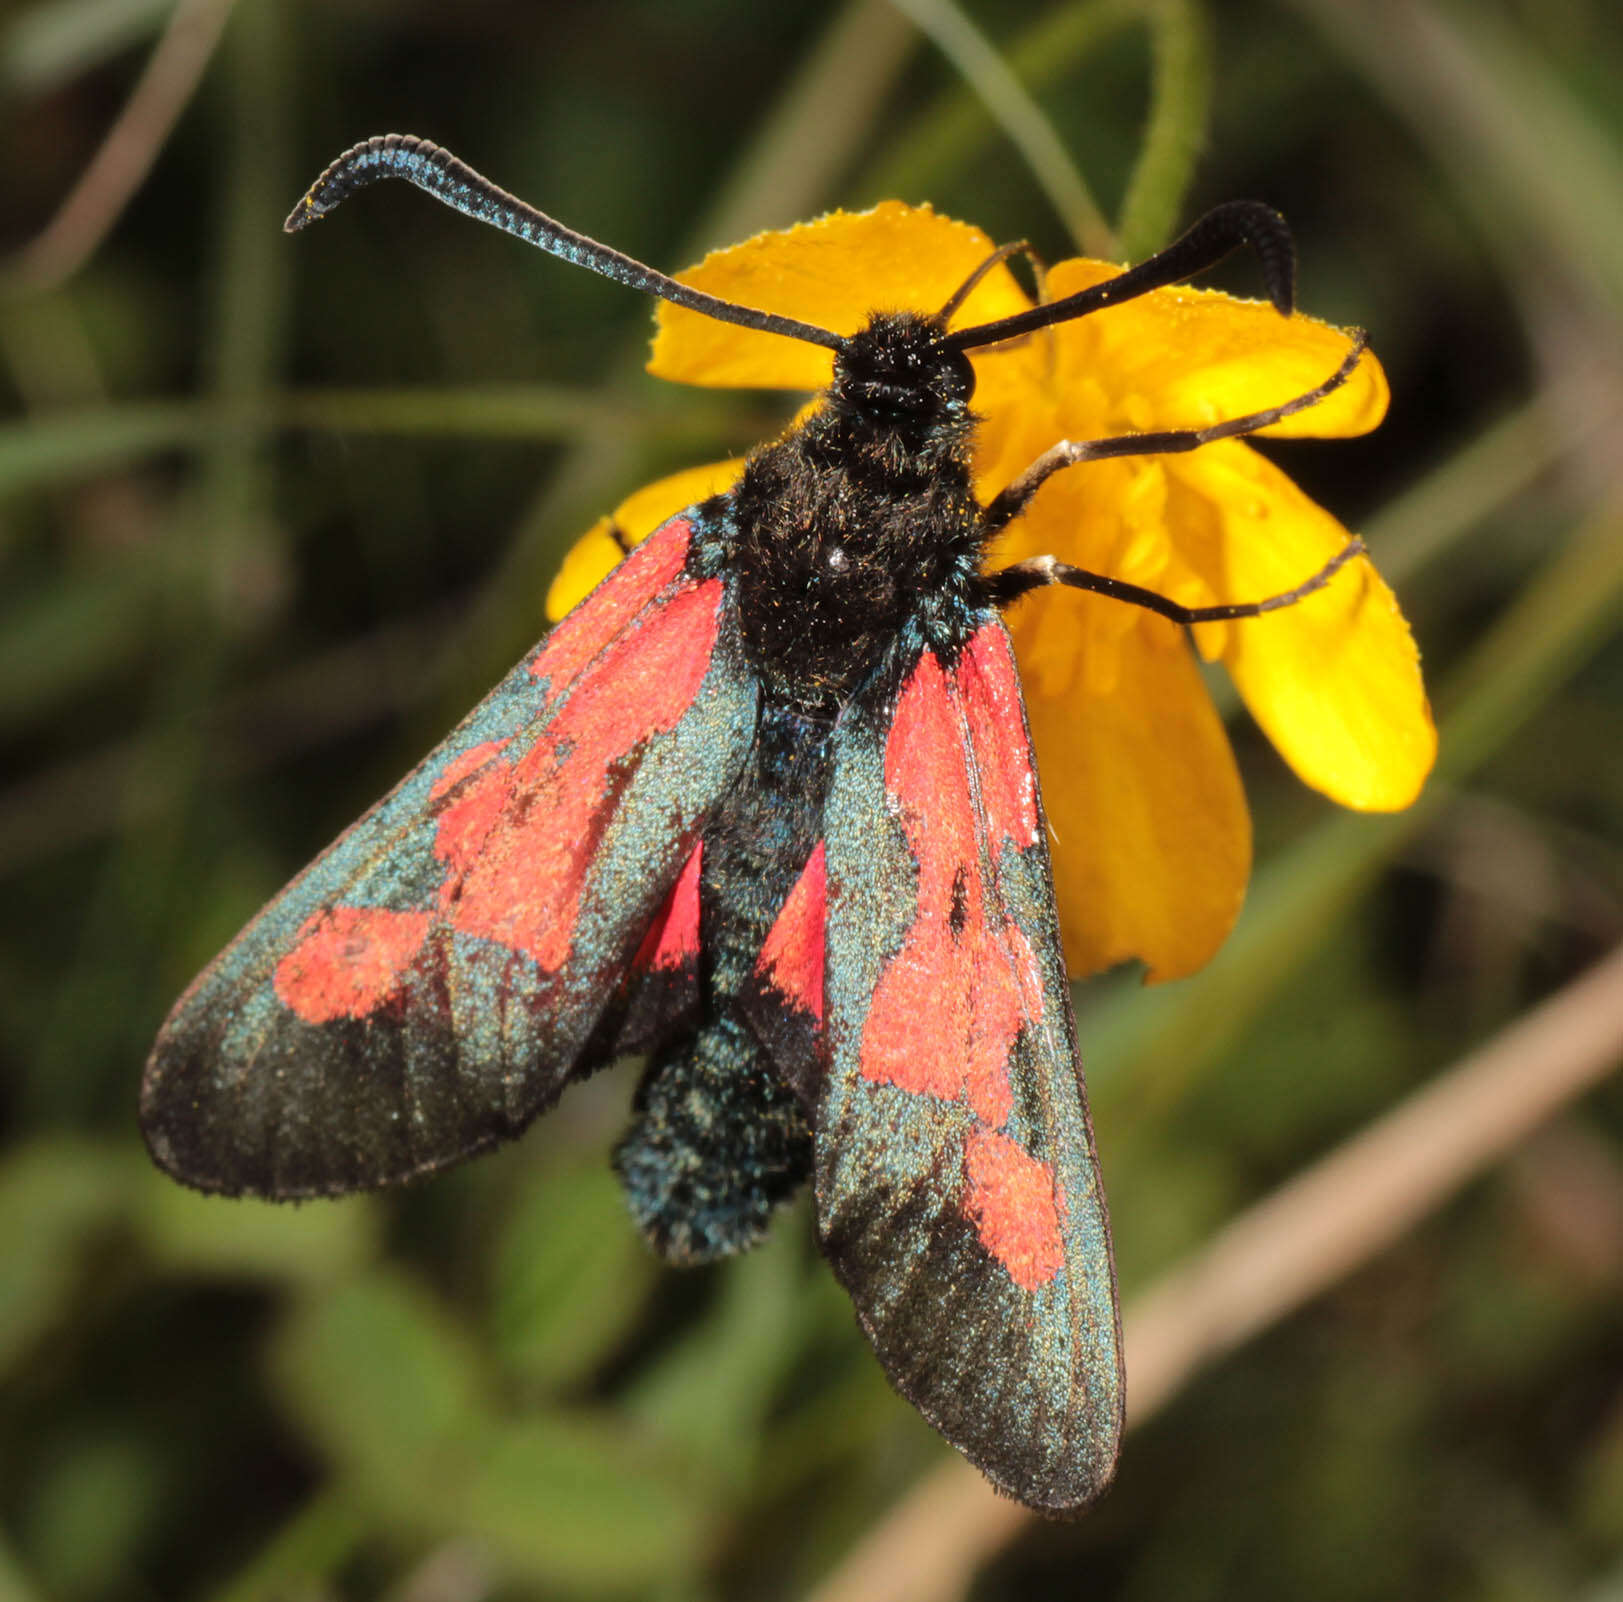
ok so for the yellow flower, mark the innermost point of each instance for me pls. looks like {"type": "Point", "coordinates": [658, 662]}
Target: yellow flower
{"type": "Point", "coordinates": [1151, 838]}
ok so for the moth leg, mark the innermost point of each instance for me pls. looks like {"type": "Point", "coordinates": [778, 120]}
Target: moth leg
{"type": "Point", "coordinates": [1013, 582]}
{"type": "Point", "coordinates": [1008, 505]}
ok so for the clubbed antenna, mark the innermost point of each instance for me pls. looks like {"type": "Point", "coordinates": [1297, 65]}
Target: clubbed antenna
{"type": "Point", "coordinates": [1220, 232]}
{"type": "Point", "coordinates": [438, 173]}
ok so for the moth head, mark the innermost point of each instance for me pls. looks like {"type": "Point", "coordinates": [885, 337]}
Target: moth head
{"type": "Point", "coordinates": [897, 370]}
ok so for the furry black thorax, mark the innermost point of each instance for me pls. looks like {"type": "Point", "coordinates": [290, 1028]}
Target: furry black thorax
{"type": "Point", "coordinates": [859, 525]}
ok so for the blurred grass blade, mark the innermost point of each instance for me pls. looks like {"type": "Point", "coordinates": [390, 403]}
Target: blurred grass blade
{"type": "Point", "coordinates": [1426, 521]}
{"type": "Point", "coordinates": [47, 43]}
{"type": "Point", "coordinates": [1022, 121]}
{"type": "Point", "coordinates": [1546, 173]}
{"type": "Point", "coordinates": [1370, 1190]}
{"type": "Point", "coordinates": [38, 453]}
{"type": "Point", "coordinates": [1180, 109]}
{"type": "Point", "coordinates": [946, 136]}
{"type": "Point", "coordinates": [783, 173]}
{"type": "Point", "coordinates": [97, 1004]}
{"type": "Point", "coordinates": [126, 154]}
{"type": "Point", "coordinates": [513, 411]}
{"type": "Point", "coordinates": [33, 454]}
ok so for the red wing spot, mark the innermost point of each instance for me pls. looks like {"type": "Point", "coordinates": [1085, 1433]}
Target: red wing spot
{"type": "Point", "coordinates": [990, 691]}
{"type": "Point", "coordinates": [672, 940]}
{"type": "Point", "coordinates": [1012, 1203]}
{"type": "Point", "coordinates": [349, 962]}
{"type": "Point", "coordinates": [456, 770]}
{"type": "Point", "coordinates": [465, 825]}
{"type": "Point", "coordinates": [949, 1005]}
{"type": "Point", "coordinates": [791, 960]}
{"type": "Point", "coordinates": [523, 888]}
{"type": "Point", "coordinates": [594, 624]}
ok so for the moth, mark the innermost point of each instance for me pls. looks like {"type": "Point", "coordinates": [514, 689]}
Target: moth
{"type": "Point", "coordinates": [764, 809]}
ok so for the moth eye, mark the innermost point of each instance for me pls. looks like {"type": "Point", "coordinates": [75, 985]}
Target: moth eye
{"type": "Point", "coordinates": [836, 559]}
{"type": "Point", "coordinates": [961, 375]}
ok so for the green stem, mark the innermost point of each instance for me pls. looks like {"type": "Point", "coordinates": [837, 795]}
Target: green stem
{"type": "Point", "coordinates": [947, 135]}
{"type": "Point", "coordinates": [1018, 115]}
{"type": "Point", "coordinates": [1180, 107]}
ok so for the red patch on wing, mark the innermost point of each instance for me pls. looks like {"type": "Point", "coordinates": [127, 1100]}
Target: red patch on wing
{"type": "Point", "coordinates": [1011, 1199]}
{"type": "Point", "coordinates": [997, 728]}
{"type": "Point", "coordinates": [947, 1008]}
{"type": "Point", "coordinates": [349, 962]}
{"type": "Point", "coordinates": [613, 604]}
{"type": "Point", "coordinates": [791, 960]}
{"type": "Point", "coordinates": [672, 940]}
{"type": "Point", "coordinates": [523, 887]}
{"type": "Point", "coordinates": [456, 770]}
{"type": "Point", "coordinates": [465, 825]}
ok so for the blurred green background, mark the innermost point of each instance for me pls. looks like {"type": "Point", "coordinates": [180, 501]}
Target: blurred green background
{"type": "Point", "coordinates": [275, 512]}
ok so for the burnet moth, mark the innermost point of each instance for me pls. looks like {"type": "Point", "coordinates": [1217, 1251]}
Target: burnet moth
{"type": "Point", "coordinates": [764, 808]}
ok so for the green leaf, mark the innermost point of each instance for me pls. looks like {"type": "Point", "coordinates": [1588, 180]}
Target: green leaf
{"type": "Point", "coordinates": [57, 1197]}
{"type": "Point", "coordinates": [314, 1543]}
{"type": "Point", "coordinates": [382, 1379]}
{"type": "Point", "coordinates": [88, 1509]}
{"type": "Point", "coordinates": [714, 1389]}
{"type": "Point", "coordinates": [574, 1502]}
{"type": "Point", "coordinates": [230, 1238]}
{"type": "Point", "coordinates": [570, 1273]}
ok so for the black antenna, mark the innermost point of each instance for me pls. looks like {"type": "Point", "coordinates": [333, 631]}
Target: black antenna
{"type": "Point", "coordinates": [1220, 232]}
{"type": "Point", "coordinates": [438, 173]}
{"type": "Point", "coordinates": [996, 259]}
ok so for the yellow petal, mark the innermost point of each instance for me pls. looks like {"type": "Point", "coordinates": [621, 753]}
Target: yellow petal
{"type": "Point", "coordinates": [1334, 681]}
{"type": "Point", "coordinates": [1149, 832]}
{"type": "Point", "coordinates": [1183, 358]}
{"type": "Point", "coordinates": [596, 553]}
{"type": "Point", "coordinates": [831, 272]}
{"type": "Point", "coordinates": [588, 562]}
